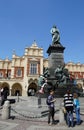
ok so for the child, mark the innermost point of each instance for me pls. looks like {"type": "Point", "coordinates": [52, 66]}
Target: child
{"type": "Point", "coordinates": [77, 108]}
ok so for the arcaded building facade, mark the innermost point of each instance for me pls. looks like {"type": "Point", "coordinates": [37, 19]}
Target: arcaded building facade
{"type": "Point", "coordinates": [20, 74]}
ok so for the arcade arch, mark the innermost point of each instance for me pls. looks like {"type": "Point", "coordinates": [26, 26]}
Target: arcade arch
{"type": "Point", "coordinates": [32, 89]}
{"type": "Point", "coordinates": [5, 86]}
{"type": "Point", "coordinates": [16, 89]}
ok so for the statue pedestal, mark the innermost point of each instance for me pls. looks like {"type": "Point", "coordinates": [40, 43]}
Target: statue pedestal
{"type": "Point", "coordinates": [56, 57]}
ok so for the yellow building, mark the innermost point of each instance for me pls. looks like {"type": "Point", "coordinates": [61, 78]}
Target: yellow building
{"type": "Point", "coordinates": [20, 75]}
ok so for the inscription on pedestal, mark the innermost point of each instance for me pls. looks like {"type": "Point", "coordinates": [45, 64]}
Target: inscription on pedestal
{"type": "Point", "coordinates": [56, 59]}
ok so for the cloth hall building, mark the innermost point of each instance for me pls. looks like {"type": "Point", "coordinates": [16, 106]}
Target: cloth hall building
{"type": "Point", "coordinates": [20, 74]}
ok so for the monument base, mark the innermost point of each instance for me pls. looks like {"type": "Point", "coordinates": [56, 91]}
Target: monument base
{"type": "Point", "coordinates": [56, 58]}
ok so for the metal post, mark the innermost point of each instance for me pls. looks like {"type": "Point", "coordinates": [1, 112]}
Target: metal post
{"type": "Point", "coordinates": [17, 97]}
{"type": "Point", "coordinates": [39, 101]}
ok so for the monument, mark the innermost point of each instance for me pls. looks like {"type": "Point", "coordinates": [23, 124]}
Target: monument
{"type": "Point", "coordinates": [55, 52]}
{"type": "Point", "coordinates": [56, 76]}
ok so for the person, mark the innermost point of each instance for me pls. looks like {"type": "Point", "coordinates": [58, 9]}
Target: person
{"type": "Point", "coordinates": [68, 104]}
{"type": "Point", "coordinates": [42, 87]}
{"type": "Point", "coordinates": [55, 34]}
{"type": "Point", "coordinates": [42, 82]}
{"type": "Point", "coordinates": [4, 94]}
{"type": "Point", "coordinates": [77, 108]}
{"type": "Point", "coordinates": [51, 107]}
{"type": "Point", "coordinates": [1, 91]}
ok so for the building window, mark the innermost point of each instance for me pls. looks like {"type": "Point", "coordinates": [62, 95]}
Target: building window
{"type": "Point", "coordinates": [19, 72]}
{"type": "Point", "coordinates": [9, 74]}
{"type": "Point", "coordinates": [33, 68]}
{"type": "Point", "coordinates": [1, 74]}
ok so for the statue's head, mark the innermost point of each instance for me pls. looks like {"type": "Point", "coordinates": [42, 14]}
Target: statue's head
{"type": "Point", "coordinates": [54, 26]}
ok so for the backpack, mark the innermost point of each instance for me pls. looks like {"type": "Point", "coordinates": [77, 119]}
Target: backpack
{"type": "Point", "coordinates": [47, 101]}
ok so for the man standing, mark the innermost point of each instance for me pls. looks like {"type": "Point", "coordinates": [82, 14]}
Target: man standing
{"type": "Point", "coordinates": [51, 106]}
{"type": "Point", "coordinates": [68, 104]}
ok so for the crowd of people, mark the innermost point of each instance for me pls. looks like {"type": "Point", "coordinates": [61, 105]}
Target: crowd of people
{"type": "Point", "coordinates": [71, 104]}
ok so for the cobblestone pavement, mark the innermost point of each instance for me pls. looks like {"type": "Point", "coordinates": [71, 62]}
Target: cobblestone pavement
{"type": "Point", "coordinates": [34, 125]}
{"type": "Point", "coordinates": [16, 122]}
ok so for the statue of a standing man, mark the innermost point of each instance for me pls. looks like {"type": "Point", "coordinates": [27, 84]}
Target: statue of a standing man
{"type": "Point", "coordinates": [55, 35]}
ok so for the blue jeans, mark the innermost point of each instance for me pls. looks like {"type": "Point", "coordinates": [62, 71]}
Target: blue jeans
{"type": "Point", "coordinates": [77, 111]}
{"type": "Point", "coordinates": [70, 119]}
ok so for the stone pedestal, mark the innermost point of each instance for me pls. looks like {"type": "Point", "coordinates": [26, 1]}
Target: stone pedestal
{"type": "Point", "coordinates": [56, 57]}
{"type": "Point", "coordinates": [6, 110]}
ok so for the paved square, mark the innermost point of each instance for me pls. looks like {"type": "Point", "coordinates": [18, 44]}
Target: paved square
{"type": "Point", "coordinates": [54, 127]}
{"type": "Point", "coordinates": [6, 125]}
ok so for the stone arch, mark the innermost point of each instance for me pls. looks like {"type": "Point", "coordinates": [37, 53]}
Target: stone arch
{"type": "Point", "coordinates": [32, 88]}
{"type": "Point", "coordinates": [6, 86]}
{"type": "Point", "coordinates": [16, 89]}
{"type": "Point", "coordinates": [36, 81]}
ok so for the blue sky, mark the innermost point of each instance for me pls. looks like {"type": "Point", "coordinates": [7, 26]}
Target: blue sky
{"type": "Point", "coordinates": [23, 21]}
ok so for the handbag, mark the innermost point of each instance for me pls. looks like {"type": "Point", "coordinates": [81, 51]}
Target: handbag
{"type": "Point", "coordinates": [64, 110]}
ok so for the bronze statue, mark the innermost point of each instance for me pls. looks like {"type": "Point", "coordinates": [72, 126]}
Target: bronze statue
{"type": "Point", "coordinates": [62, 74]}
{"type": "Point", "coordinates": [55, 35]}
{"type": "Point", "coordinates": [46, 73]}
